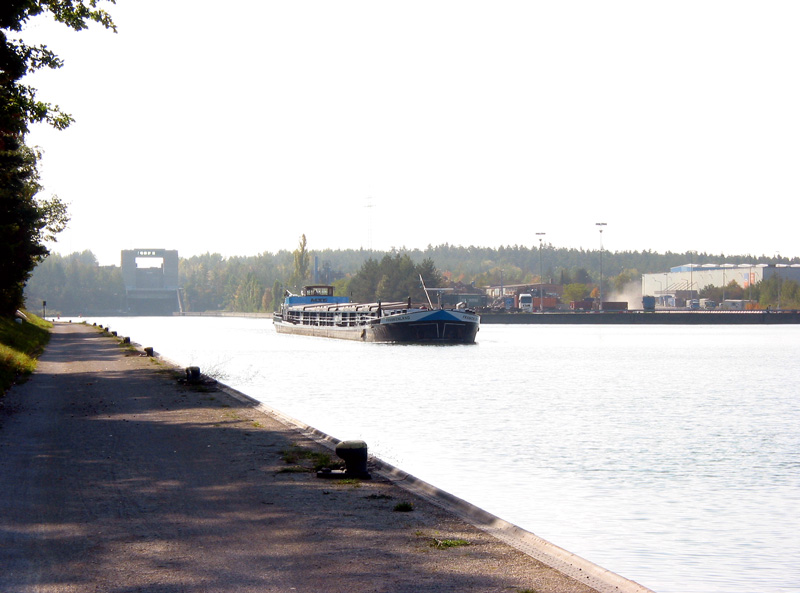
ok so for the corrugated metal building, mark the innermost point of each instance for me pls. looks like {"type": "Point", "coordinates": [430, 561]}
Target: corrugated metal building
{"type": "Point", "coordinates": [687, 280]}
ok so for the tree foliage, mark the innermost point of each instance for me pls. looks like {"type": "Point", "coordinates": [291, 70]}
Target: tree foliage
{"type": "Point", "coordinates": [575, 292]}
{"type": "Point", "coordinates": [395, 278]}
{"type": "Point", "coordinates": [778, 293]}
{"type": "Point", "coordinates": [20, 105]}
{"type": "Point", "coordinates": [76, 285]}
{"type": "Point", "coordinates": [26, 222]}
{"type": "Point", "coordinates": [302, 263]}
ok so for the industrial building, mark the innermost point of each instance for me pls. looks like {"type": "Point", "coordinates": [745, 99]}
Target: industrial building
{"type": "Point", "coordinates": [151, 289]}
{"type": "Point", "coordinates": [682, 283]}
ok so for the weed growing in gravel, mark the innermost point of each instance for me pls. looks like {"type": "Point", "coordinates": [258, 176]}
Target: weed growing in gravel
{"type": "Point", "coordinates": [441, 544]}
{"type": "Point", "coordinates": [294, 469]}
{"type": "Point", "coordinates": [312, 460]}
{"type": "Point", "coordinates": [354, 482]}
{"type": "Point", "coordinates": [404, 507]}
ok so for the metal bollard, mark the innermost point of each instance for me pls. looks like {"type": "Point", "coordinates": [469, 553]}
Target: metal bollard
{"type": "Point", "coordinates": [354, 454]}
{"type": "Point", "coordinates": [193, 374]}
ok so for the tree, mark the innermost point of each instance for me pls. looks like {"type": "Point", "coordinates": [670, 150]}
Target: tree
{"type": "Point", "coordinates": [780, 293]}
{"type": "Point", "coordinates": [395, 278]}
{"type": "Point", "coordinates": [431, 276]}
{"type": "Point", "coordinates": [249, 294]}
{"type": "Point", "coordinates": [19, 106]}
{"type": "Point", "coordinates": [25, 222]}
{"type": "Point", "coordinates": [302, 262]}
{"type": "Point", "coordinates": [716, 293]}
{"type": "Point", "coordinates": [624, 278]}
{"type": "Point", "coordinates": [575, 292]}
{"type": "Point", "coordinates": [277, 296]}
{"type": "Point", "coordinates": [76, 285]}
{"type": "Point", "coordinates": [581, 276]}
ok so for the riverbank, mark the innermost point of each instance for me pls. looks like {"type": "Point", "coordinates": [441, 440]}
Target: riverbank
{"type": "Point", "coordinates": [638, 317]}
{"type": "Point", "coordinates": [117, 476]}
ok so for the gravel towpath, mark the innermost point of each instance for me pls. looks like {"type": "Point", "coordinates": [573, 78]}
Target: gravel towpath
{"type": "Point", "coordinates": [115, 477]}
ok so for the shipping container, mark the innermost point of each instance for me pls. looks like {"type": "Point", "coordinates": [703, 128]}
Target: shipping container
{"type": "Point", "coordinates": [584, 305]}
{"type": "Point", "coordinates": [615, 306]}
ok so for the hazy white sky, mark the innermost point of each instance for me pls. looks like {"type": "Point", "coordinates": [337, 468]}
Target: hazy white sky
{"type": "Point", "coordinates": [235, 128]}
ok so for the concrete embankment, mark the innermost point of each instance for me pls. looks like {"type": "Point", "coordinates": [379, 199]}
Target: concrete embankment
{"type": "Point", "coordinates": [645, 318]}
{"type": "Point", "coordinates": [118, 477]}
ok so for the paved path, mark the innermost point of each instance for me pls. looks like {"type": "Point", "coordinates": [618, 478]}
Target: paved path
{"type": "Point", "coordinates": [115, 477]}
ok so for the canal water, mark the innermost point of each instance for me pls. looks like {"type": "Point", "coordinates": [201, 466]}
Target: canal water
{"type": "Point", "coordinates": [667, 454]}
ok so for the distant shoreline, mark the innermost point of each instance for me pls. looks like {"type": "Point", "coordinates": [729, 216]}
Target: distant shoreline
{"type": "Point", "coordinates": [639, 317]}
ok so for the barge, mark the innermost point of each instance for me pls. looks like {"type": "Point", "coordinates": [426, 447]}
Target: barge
{"type": "Point", "coordinates": [317, 312]}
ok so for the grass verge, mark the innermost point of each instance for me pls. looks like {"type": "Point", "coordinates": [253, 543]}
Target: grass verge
{"type": "Point", "coordinates": [20, 345]}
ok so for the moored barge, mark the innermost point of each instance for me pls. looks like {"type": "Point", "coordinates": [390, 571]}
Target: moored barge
{"type": "Point", "coordinates": [317, 312]}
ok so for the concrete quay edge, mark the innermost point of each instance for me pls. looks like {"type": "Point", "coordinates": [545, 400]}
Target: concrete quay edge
{"type": "Point", "coordinates": [572, 565]}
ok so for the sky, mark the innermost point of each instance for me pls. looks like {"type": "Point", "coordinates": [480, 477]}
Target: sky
{"type": "Point", "coordinates": [387, 125]}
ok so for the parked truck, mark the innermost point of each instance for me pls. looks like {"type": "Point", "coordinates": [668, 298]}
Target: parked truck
{"type": "Point", "coordinates": [526, 303]}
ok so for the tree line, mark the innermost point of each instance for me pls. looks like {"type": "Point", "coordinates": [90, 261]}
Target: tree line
{"type": "Point", "coordinates": [76, 285]}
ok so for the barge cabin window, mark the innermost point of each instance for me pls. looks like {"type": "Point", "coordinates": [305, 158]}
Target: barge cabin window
{"type": "Point", "coordinates": [318, 291]}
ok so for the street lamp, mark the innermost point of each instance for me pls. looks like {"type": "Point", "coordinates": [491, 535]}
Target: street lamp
{"type": "Point", "coordinates": [724, 266]}
{"type": "Point", "coordinates": [601, 225]}
{"type": "Point", "coordinates": [541, 274]}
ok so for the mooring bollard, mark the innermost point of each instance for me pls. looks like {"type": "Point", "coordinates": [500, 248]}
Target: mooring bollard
{"type": "Point", "coordinates": [148, 350]}
{"type": "Point", "coordinates": [354, 454]}
{"type": "Point", "coordinates": [193, 374]}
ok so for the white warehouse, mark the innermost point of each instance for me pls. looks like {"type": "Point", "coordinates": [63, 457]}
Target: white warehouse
{"type": "Point", "coordinates": [688, 279]}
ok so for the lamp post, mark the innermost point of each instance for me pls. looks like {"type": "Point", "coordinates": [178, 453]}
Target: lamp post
{"type": "Point", "coordinates": [541, 275]}
{"type": "Point", "coordinates": [601, 225]}
{"type": "Point", "coordinates": [724, 267]}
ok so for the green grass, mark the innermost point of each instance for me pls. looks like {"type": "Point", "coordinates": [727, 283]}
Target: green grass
{"type": "Point", "coordinates": [20, 345]}
{"type": "Point", "coordinates": [311, 460]}
{"type": "Point", "coordinates": [441, 544]}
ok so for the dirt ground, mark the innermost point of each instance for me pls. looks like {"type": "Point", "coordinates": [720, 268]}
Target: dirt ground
{"type": "Point", "coordinates": [116, 477]}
